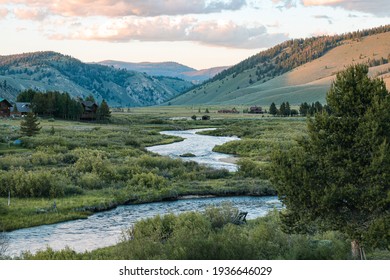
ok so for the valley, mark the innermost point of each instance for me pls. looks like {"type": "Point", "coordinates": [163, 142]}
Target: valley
{"type": "Point", "coordinates": [74, 169]}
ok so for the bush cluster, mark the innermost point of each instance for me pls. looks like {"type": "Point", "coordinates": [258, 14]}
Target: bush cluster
{"type": "Point", "coordinates": [211, 235]}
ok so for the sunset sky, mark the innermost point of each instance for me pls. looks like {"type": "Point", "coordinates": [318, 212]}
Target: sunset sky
{"type": "Point", "coordinates": [197, 33]}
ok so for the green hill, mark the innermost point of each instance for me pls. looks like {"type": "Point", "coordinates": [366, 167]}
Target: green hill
{"type": "Point", "coordinates": [295, 71]}
{"type": "Point", "coordinates": [53, 71]}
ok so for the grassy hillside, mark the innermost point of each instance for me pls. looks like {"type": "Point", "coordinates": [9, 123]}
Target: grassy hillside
{"type": "Point", "coordinates": [267, 77]}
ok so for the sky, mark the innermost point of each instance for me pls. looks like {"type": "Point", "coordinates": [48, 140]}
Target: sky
{"type": "Point", "coordinates": [197, 33]}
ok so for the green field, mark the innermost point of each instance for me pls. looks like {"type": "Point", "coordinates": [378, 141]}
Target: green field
{"type": "Point", "coordinates": [90, 167]}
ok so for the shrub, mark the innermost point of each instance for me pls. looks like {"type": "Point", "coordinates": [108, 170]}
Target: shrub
{"type": "Point", "coordinates": [149, 180]}
{"type": "Point", "coordinates": [252, 169]}
{"type": "Point", "coordinates": [220, 216]}
{"type": "Point", "coordinates": [39, 183]}
{"type": "Point", "coordinates": [159, 162]}
{"type": "Point", "coordinates": [8, 161]}
{"type": "Point", "coordinates": [216, 173]}
{"type": "Point", "coordinates": [90, 181]}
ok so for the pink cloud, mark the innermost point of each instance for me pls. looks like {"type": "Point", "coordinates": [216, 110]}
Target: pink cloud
{"type": "Point", "coordinates": [3, 13]}
{"type": "Point", "coordinates": [115, 8]}
{"type": "Point", "coordinates": [227, 34]}
{"type": "Point", "coordinates": [30, 14]}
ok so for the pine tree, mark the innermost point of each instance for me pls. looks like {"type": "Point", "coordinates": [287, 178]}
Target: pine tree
{"type": "Point", "coordinates": [30, 125]}
{"type": "Point", "coordinates": [282, 109]}
{"type": "Point", "coordinates": [272, 109]}
{"type": "Point", "coordinates": [304, 109]}
{"type": "Point", "coordinates": [287, 111]}
{"type": "Point", "coordinates": [338, 178]}
{"type": "Point", "coordinates": [104, 111]}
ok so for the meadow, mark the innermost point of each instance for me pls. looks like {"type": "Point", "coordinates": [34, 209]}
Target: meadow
{"type": "Point", "coordinates": [83, 168]}
{"type": "Point", "coordinates": [89, 167]}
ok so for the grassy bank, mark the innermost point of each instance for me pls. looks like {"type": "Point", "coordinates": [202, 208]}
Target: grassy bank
{"type": "Point", "coordinates": [89, 167]}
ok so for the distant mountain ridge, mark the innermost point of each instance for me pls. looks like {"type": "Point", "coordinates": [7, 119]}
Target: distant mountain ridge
{"type": "Point", "coordinates": [167, 69]}
{"type": "Point", "coordinates": [53, 71]}
{"type": "Point", "coordinates": [299, 70]}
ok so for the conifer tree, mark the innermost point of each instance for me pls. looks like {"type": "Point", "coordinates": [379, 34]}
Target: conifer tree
{"type": "Point", "coordinates": [272, 109]}
{"type": "Point", "coordinates": [30, 125]}
{"type": "Point", "coordinates": [282, 109]}
{"type": "Point", "coordinates": [104, 111]}
{"type": "Point", "coordinates": [338, 178]}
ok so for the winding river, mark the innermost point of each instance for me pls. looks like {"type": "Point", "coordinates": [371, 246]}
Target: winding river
{"type": "Point", "coordinates": [105, 228]}
{"type": "Point", "coordinates": [199, 145]}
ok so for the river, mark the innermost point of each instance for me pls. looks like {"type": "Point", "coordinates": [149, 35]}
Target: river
{"type": "Point", "coordinates": [199, 145]}
{"type": "Point", "coordinates": [105, 228]}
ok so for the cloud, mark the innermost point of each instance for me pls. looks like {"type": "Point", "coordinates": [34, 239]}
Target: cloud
{"type": "Point", "coordinates": [285, 3]}
{"type": "Point", "coordinates": [377, 7]}
{"type": "Point", "coordinates": [229, 34]}
{"type": "Point", "coordinates": [120, 8]}
{"type": "Point", "coordinates": [3, 13]}
{"type": "Point", "coordinates": [30, 14]}
{"type": "Point", "coordinates": [216, 33]}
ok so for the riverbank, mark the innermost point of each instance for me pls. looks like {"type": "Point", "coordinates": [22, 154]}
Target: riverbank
{"type": "Point", "coordinates": [104, 228]}
{"type": "Point", "coordinates": [30, 212]}
{"type": "Point", "coordinates": [90, 167]}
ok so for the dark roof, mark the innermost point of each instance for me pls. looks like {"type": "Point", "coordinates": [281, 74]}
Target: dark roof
{"type": "Point", "coordinates": [89, 104]}
{"type": "Point", "coordinates": [23, 107]}
{"type": "Point", "coordinates": [5, 101]}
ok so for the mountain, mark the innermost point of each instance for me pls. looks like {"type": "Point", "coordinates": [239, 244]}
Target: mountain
{"type": "Point", "coordinates": [296, 71]}
{"type": "Point", "coordinates": [167, 69]}
{"type": "Point", "coordinates": [56, 72]}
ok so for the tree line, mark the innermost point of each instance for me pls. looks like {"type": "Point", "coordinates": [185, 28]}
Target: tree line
{"type": "Point", "coordinates": [305, 109]}
{"type": "Point", "coordinates": [60, 105]}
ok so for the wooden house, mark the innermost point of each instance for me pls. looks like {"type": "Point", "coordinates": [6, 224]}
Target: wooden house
{"type": "Point", "coordinates": [255, 110]}
{"type": "Point", "coordinates": [90, 110]}
{"type": "Point", "coordinates": [22, 108]}
{"type": "Point", "coordinates": [5, 106]}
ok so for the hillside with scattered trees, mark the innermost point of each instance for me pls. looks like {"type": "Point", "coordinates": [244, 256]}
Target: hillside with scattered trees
{"type": "Point", "coordinates": [51, 71]}
{"type": "Point", "coordinates": [299, 70]}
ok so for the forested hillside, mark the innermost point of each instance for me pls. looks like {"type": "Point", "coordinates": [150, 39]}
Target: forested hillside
{"type": "Point", "coordinates": [53, 71]}
{"type": "Point", "coordinates": [267, 76]}
{"type": "Point", "coordinates": [167, 69]}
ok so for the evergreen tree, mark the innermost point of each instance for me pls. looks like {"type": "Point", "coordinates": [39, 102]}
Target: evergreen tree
{"type": "Point", "coordinates": [282, 109]}
{"type": "Point", "coordinates": [304, 109]}
{"type": "Point", "coordinates": [30, 125]}
{"type": "Point", "coordinates": [104, 111]}
{"type": "Point", "coordinates": [272, 109]}
{"type": "Point", "coordinates": [287, 111]}
{"type": "Point", "coordinates": [338, 178]}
